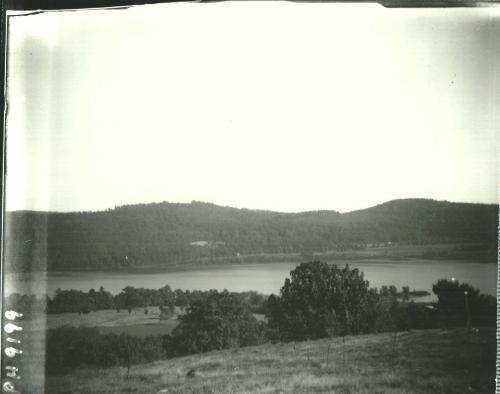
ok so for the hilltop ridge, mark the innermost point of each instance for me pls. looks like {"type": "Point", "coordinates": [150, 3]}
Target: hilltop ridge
{"type": "Point", "coordinates": [176, 234]}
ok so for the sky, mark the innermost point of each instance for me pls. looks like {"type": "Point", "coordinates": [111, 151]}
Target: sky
{"type": "Point", "coordinates": [264, 105]}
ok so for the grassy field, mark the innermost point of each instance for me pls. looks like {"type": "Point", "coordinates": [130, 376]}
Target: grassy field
{"type": "Point", "coordinates": [110, 321]}
{"type": "Point", "coordinates": [424, 361]}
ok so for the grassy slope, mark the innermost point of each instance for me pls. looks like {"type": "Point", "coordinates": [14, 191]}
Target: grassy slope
{"type": "Point", "coordinates": [427, 361]}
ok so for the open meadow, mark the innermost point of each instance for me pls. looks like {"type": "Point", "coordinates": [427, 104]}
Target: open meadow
{"type": "Point", "coordinates": [136, 323]}
{"type": "Point", "coordinates": [110, 321]}
{"type": "Point", "coordinates": [419, 361]}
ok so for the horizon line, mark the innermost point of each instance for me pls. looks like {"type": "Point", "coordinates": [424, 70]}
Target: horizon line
{"type": "Point", "coordinates": [243, 208]}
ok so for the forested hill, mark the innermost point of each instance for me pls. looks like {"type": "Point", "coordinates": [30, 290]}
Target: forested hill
{"type": "Point", "coordinates": [171, 234]}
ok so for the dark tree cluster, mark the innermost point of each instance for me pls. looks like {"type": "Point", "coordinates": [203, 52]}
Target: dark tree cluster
{"type": "Point", "coordinates": [69, 348]}
{"type": "Point", "coordinates": [130, 298]}
{"type": "Point", "coordinates": [321, 300]}
{"type": "Point", "coordinates": [77, 301]}
{"type": "Point", "coordinates": [460, 305]}
{"type": "Point", "coordinates": [162, 234]}
{"type": "Point", "coordinates": [218, 321]}
{"type": "Point", "coordinates": [71, 301]}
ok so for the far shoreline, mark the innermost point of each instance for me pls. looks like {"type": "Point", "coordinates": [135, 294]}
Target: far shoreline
{"type": "Point", "coordinates": [231, 265]}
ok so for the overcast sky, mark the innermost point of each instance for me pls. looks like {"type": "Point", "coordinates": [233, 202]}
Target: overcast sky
{"type": "Point", "coordinates": [281, 106]}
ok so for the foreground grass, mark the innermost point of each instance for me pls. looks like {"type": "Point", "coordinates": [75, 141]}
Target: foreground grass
{"type": "Point", "coordinates": [424, 361]}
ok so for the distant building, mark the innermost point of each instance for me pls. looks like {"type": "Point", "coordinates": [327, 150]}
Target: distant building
{"type": "Point", "coordinates": [199, 243]}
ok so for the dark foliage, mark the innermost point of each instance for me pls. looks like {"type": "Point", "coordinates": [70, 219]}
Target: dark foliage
{"type": "Point", "coordinates": [77, 301]}
{"type": "Point", "coordinates": [322, 300]}
{"type": "Point", "coordinates": [68, 301]}
{"type": "Point", "coordinates": [421, 316]}
{"type": "Point", "coordinates": [459, 304]}
{"type": "Point", "coordinates": [319, 300]}
{"type": "Point", "coordinates": [162, 234]}
{"type": "Point", "coordinates": [218, 321]}
{"type": "Point", "coordinates": [69, 348]}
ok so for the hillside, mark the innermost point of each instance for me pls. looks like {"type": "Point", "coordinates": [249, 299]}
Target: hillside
{"type": "Point", "coordinates": [427, 361]}
{"type": "Point", "coordinates": [172, 235]}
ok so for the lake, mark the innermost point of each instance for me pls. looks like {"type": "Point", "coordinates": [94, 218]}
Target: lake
{"type": "Point", "coordinates": [265, 278]}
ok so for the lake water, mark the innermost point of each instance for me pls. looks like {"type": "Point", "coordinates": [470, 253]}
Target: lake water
{"type": "Point", "coordinates": [264, 278]}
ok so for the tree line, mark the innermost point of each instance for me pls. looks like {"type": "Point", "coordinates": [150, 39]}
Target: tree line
{"type": "Point", "coordinates": [317, 301]}
{"type": "Point", "coordinates": [130, 298]}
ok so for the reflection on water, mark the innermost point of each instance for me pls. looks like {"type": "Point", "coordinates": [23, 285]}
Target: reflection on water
{"type": "Point", "coordinates": [264, 278]}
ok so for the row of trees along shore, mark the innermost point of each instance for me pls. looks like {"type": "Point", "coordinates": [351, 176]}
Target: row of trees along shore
{"type": "Point", "coordinates": [317, 301]}
{"type": "Point", "coordinates": [129, 299]}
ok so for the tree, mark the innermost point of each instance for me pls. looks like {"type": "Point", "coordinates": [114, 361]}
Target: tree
{"type": "Point", "coordinates": [378, 313]}
{"type": "Point", "coordinates": [181, 298]}
{"type": "Point", "coordinates": [131, 298]}
{"type": "Point", "coordinates": [405, 294]}
{"type": "Point", "coordinates": [460, 304]}
{"type": "Point", "coordinates": [166, 297]}
{"type": "Point", "coordinates": [393, 292]}
{"type": "Point", "coordinates": [484, 311]}
{"type": "Point", "coordinates": [129, 350]}
{"type": "Point", "coordinates": [104, 299]}
{"type": "Point", "coordinates": [166, 312]}
{"type": "Point", "coordinates": [452, 301]}
{"type": "Point", "coordinates": [319, 301]}
{"type": "Point", "coordinates": [217, 321]}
